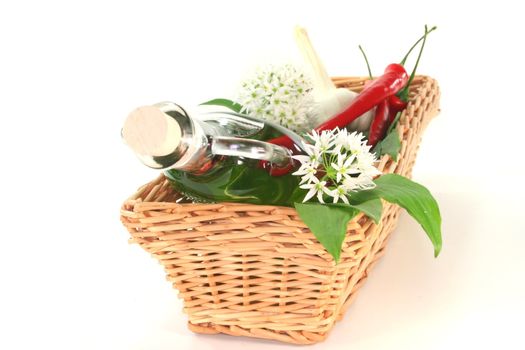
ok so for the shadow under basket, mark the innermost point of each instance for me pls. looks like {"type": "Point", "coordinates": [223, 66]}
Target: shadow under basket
{"type": "Point", "coordinates": [258, 271]}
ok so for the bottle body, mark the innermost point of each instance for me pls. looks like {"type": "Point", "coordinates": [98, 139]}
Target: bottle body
{"type": "Point", "coordinates": [235, 179]}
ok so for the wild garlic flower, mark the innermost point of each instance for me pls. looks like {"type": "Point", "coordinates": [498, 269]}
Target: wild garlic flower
{"type": "Point", "coordinates": [316, 187]}
{"type": "Point", "coordinates": [336, 164]}
{"type": "Point", "coordinates": [280, 94]}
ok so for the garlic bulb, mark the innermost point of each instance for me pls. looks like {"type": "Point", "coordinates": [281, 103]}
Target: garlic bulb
{"type": "Point", "coordinates": [329, 100]}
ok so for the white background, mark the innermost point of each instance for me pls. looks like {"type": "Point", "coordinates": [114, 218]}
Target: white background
{"type": "Point", "coordinates": [70, 72]}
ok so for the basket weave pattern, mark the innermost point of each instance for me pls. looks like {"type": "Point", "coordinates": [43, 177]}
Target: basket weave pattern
{"type": "Point", "coordinates": [257, 271]}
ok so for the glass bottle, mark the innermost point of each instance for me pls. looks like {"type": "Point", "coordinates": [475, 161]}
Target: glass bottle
{"type": "Point", "coordinates": [218, 157]}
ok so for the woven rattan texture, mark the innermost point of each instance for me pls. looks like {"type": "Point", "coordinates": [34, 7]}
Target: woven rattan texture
{"type": "Point", "coordinates": [257, 271]}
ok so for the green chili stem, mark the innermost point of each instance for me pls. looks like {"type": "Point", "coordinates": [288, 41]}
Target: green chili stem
{"type": "Point", "coordinates": [394, 123]}
{"type": "Point", "coordinates": [403, 94]}
{"type": "Point", "coordinates": [403, 61]}
{"type": "Point", "coordinates": [418, 57]}
{"type": "Point", "coordinates": [367, 64]}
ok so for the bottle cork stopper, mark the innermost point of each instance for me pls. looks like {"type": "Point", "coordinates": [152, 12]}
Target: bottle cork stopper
{"type": "Point", "coordinates": [148, 131]}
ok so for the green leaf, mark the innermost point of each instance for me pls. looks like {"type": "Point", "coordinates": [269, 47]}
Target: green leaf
{"type": "Point", "coordinates": [372, 208]}
{"type": "Point", "coordinates": [234, 106]}
{"type": "Point", "coordinates": [328, 224]}
{"type": "Point", "coordinates": [390, 145]}
{"type": "Point", "coordinates": [411, 196]}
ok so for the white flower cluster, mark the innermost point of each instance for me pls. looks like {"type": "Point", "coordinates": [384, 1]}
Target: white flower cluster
{"type": "Point", "coordinates": [280, 94]}
{"type": "Point", "coordinates": [337, 163]}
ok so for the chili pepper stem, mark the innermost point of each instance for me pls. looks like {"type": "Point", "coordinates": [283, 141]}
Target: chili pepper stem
{"type": "Point", "coordinates": [418, 56]}
{"type": "Point", "coordinates": [403, 61]}
{"type": "Point", "coordinates": [403, 94]}
{"type": "Point", "coordinates": [367, 64]}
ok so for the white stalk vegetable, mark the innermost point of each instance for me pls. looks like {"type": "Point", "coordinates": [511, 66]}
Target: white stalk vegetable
{"type": "Point", "coordinates": [329, 99]}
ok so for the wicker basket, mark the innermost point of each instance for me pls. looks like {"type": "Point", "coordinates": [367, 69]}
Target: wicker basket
{"type": "Point", "coordinates": [257, 271]}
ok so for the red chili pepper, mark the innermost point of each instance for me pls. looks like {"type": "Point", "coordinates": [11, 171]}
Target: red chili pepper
{"type": "Point", "coordinates": [275, 171]}
{"type": "Point", "coordinates": [396, 105]}
{"type": "Point", "coordinates": [380, 123]}
{"type": "Point", "coordinates": [392, 81]}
